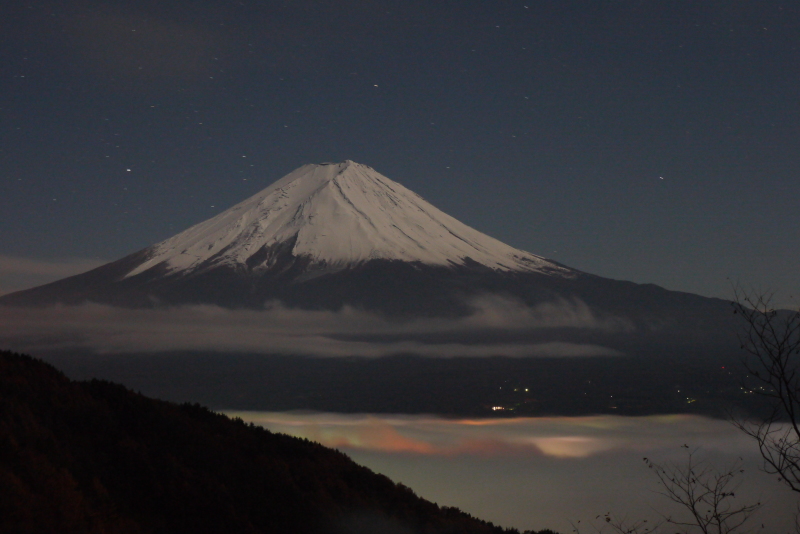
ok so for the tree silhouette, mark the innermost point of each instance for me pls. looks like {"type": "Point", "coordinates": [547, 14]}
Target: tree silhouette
{"type": "Point", "coordinates": [771, 339]}
{"type": "Point", "coordinates": [705, 495]}
{"type": "Point", "coordinates": [705, 492]}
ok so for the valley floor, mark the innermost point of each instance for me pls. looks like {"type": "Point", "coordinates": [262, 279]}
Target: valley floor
{"type": "Point", "coordinates": [474, 387]}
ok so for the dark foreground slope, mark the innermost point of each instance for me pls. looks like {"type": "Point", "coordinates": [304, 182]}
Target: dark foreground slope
{"type": "Point", "coordinates": [96, 457]}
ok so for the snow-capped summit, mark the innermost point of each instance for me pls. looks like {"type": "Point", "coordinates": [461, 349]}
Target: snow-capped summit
{"type": "Point", "coordinates": [334, 216]}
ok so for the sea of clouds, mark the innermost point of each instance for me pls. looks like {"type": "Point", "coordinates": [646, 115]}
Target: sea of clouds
{"type": "Point", "coordinates": [544, 472]}
{"type": "Point", "coordinates": [278, 329]}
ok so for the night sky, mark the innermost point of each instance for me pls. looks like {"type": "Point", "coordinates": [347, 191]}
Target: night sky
{"type": "Point", "coordinates": [641, 140]}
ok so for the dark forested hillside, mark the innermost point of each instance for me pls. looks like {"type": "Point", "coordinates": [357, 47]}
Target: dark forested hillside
{"type": "Point", "coordinates": [96, 457]}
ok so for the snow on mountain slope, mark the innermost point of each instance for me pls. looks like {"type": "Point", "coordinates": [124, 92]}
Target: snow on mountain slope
{"type": "Point", "coordinates": [336, 215]}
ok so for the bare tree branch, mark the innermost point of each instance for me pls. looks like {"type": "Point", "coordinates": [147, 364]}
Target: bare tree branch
{"type": "Point", "coordinates": [614, 524]}
{"type": "Point", "coordinates": [771, 340]}
{"type": "Point", "coordinates": [707, 494]}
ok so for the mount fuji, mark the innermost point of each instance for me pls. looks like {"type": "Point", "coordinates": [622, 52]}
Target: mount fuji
{"type": "Point", "coordinates": [341, 234]}
{"type": "Point", "coordinates": [339, 257]}
{"type": "Point", "coordinates": [318, 224]}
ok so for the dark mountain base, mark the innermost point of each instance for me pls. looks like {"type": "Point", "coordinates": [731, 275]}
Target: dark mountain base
{"type": "Point", "coordinates": [95, 457]}
{"type": "Point", "coordinates": [649, 384]}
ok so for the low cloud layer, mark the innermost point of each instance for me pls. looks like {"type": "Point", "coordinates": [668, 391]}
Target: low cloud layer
{"type": "Point", "coordinates": [559, 437]}
{"type": "Point", "coordinates": [278, 329]}
{"type": "Point", "coordinates": [544, 472]}
{"type": "Point", "coordinates": [22, 273]}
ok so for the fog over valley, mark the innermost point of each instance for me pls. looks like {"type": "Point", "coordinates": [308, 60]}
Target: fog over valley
{"type": "Point", "coordinates": [541, 472]}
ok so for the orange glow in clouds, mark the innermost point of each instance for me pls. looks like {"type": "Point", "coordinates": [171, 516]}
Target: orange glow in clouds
{"type": "Point", "coordinates": [557, 437]}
